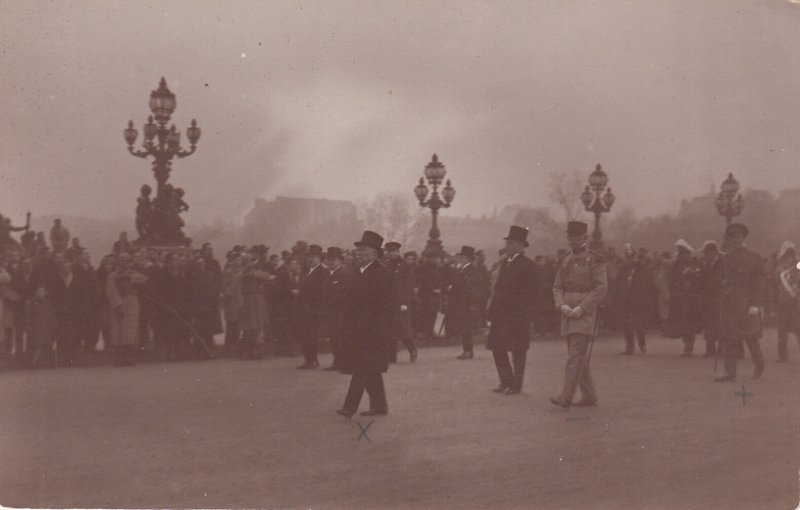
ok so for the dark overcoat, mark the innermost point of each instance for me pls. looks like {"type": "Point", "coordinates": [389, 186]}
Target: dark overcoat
{"type": "Point", "coordinates": [309, 300]}
{"type": "Point", "coordinates": [334, 293]}
{"type": "Point", "coordinates": [512, 305]}
{"type": "Point", "coordinates": [635, 296]}
{"type": "Point", "coordinates": [463, 301]}
{"type": "Point", "coordinates": [203, 303]}
{"type": "Point", "coordinates": [742, 287]}
{"type": "Point", "coordinates": [368, 310]}
{"type": "Point", "coordinates": [404, 283]}
{"type": "Point", "coordinates": [685, 311]}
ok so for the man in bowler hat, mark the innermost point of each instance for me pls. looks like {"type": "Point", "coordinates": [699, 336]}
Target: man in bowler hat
{"type": "Point", "coordinates": [463, 301]}
{"type": "Point", "coordinates": [310, 309]}
{"type": "Point", "coordinates": [510, 312]}
{"type": "Point", "coordinates": [579, 288]}
{"type": "Point", "coordinates": [368, 312]}
{"type": "Point", "coordinates": [741, 300]}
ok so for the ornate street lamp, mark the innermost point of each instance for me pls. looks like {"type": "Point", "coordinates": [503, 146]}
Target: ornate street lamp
{"type": "Point", "coordinates": [729, 202]}
{"type": "Point", "coordinates": [163, 144]}
{"type": "Point", "coordinates": [594, 201]}
{"type": "Point", "coordinates": [435, 173]}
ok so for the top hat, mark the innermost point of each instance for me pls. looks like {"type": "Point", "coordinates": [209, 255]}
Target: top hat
{"type": "Point", "coordinates": [371, 239]}
{"type": "Point", "coordinates": [736, 228]}
{"type": "Point", "coordinates": [467, 251]}
{"type": "Point", "coordinates": [577, 228]}
{"type": "Point", "coordinates": [334, 253]}
{"type": "Point", "coordinates": [516, 233]}
{"type": "Point", "coordinates": [314, 249]}
{"type": "Point", "coordinates": [392, 245]}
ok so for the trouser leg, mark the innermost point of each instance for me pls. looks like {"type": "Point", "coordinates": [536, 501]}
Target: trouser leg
{"type": "Point", "coordinates": [731, 347]}
{"type": "Point", "coordinates": [408, 341]}
{"type": "Point", "coordinates": [688, 343]}
{"type": "Point", "coordinates": [336, 343]}
{"type": "Point", "coordinates": [577, 346]}
{"type": "Point", "coordinates": [354, 392]}
{"type": "Point", "coordinates": [784, 322]}
{"type": "Point", "coordinates": [503, 368]}
{"type": "Point", "coordinates": [466, 341]}
{"type": "Point", "coordinates": [376, 392]}
{"type": "Point", "coordinates": [640, 339]}
{"type": "Point", "coordinates": [754, 346]}
{"type": "Point", "coordinates": [628, 340]}
{"type": "Point", "coordinates": [520, 359]}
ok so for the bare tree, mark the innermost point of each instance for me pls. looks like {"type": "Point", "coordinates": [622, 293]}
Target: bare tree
{"type": "Point", "coordinates": [565, 189]}
{"type": "Point", "coordinates": [394, 215]}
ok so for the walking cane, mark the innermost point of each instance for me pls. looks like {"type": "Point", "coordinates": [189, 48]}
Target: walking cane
{"type": "Point", "coordinates": [588, 357]}
{"type": "Point", "coordinates": [184, 321]}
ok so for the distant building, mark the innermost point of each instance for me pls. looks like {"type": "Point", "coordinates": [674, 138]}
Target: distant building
{"type": "Point", "coordinates": [281, 222]}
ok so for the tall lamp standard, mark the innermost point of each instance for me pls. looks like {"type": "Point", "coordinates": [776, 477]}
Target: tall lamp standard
{"type": "Point", "coordinates": [160, 142]}
{"type": "Point", "coordinates": [163, 144]}
{"type": "Point", "coordinates": [434, 172]}
{"type": "Point", "coordinates": [594, 201]}
{"type": "Point", "coordinates": [729, 202]}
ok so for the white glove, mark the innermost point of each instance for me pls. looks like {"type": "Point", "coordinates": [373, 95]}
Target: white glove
{"type": "Point", "coordinates": [577, 312]}
{"type": "Point", "coordinates": [754, 310]}
{"type": "Point", "coordinates": [403, 308]}
{"type": "Point", "coordinates": [565, 310]}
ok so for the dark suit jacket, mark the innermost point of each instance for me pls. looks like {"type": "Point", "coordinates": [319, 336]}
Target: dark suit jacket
{"type": "Point", "coordinates": [367, 315]}
{"type": "Point", "coordinates": [463, 301]}
{"type": "Point", "coordinates": [512, 305]}
{"type": "Point", "coordinates": [337, 286]}
{"type": "Point", "coordinates": [309, 296]}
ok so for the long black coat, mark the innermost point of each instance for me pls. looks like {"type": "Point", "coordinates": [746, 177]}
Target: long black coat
{"type": "Point", "coordinates": [463, 302]}
{"type": "Point", "coordinates": [742, 287]}
{"type": "Point", "coordinates": [512, 306]}
{"type": "Point", "coordinates": [367, 314]}
{"type": "Point", "coordinates": [334, 295]}
{"type": "Point", "coordinates": [635, 296]}
{"type": "Point", "coordinates": [685, 311]}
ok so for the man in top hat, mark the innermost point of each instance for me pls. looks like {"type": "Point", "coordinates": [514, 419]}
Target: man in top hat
{"type": "Point", "coordinates": [579, 288]}
{"type": "Point", "coordinates": [710, 284]}
{"type": "Point", "coordinates": [404, 286]}
{"type": "Point", "coordinates": [309, 302]}
{"type": "Point", "coordinates": [369, 308]}
{"type": "Point", "coordinates": [742, 296]}
{"type": "Point", "coordinates": [510, 312]}
{"type": "Point", "coordinates": [334, 292]}
{"type": "Point", "coordinates": [462, 314]}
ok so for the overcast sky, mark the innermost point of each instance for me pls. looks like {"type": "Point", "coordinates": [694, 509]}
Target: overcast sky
{"type": "Point", "coordinates": [347, 99]}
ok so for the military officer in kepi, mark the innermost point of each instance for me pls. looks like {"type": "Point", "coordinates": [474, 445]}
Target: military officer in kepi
{"type": "Point", "coordinates": [580, 285]}
{"type": "Point", "coordinates": [741, 300]}
{"type": "Point", "coordinates": [510, 312]}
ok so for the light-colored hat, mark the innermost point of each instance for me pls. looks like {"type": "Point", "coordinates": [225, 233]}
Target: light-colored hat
{"type": "Point", "coordinates": [681, 243]}
{"type": "Point", "coordinates": [786, 246]}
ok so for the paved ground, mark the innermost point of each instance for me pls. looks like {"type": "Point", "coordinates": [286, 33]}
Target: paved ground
{"type": "Point", "coordinates": [261, 434]}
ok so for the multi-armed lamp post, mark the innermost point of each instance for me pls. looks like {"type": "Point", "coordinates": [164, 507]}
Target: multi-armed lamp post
{"type": "Point", "coordinates": [729, 202]}
{"type": "Point", "coordinates": [163, 223]}
{"type": "Point", "coordinates": [434, 172]}
{"type": "Point", "coordinates": [160, 142]}
{"type": "Point", "coordinates": [596, 202]}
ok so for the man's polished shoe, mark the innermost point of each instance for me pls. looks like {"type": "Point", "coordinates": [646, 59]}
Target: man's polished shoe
{"type": "Point", "coordinates": [375, 412]}
{"type": "Point", "coordinates": [559, 402]}
{"type": "Point", "coordinates": [512, 391]}
{"type": "Point", "coordinates": [308, 365]}
{"type": "Point", "coordinates": [724, 378]}
{"type": "Point", "coordinates": [585, 403]}
{"type": "Point", "coordinates": [500, 389]}
{"type": "Point", "coordinates": [466, 355]}
{"type": "Point", "coordinates": [346, 413]}
{"type": "Point", "coordinates": [757, 373]}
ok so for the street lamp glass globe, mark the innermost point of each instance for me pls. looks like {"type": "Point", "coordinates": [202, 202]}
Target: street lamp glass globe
{"type": "Point", "coordinates": [193, 133]}
{"type": "Point", "coordinates": [730, 186]}
{"type": "Point", "coordinates": [586, 197]}
{"type": "Point", "coordinates": [130, 133]}
{"type": "Point", "coordinates": [421, 191]}
{"type": "Point", "coordinates": [598, 179]}
{"type": "Point", "coordinates": [162, 102]}
{"type": "Point", "coordinates": [608, 199]}
{"type": "Point", "coordinates": [435, 171]}
{"type": "Point", "coordinates": [448, 193]}
{"type": "Point", "coordinates": [150, 129]}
